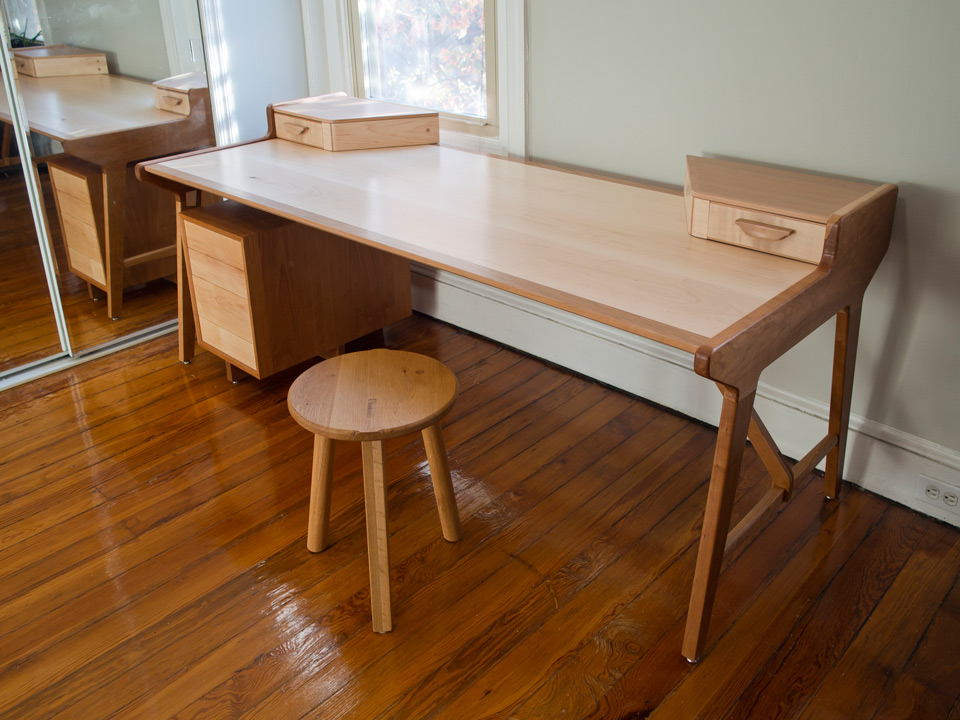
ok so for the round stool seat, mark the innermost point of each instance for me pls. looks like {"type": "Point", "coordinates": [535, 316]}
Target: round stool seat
{"type": "Point", "coordinates": [372, 395]}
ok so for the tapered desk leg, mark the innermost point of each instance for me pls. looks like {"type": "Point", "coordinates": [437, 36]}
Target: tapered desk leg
{"type": "Point", "coordinates": [186, 328]}
{"type": "Point", "coordinates": [114, 210]}
{"type": "Point", "coordinates": [844, 361]}
{"type": "Point", "coordinates": [731, 438]}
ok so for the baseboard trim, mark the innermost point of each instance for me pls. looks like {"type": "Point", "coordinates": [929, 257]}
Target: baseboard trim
{"type": "Point", "coordinates": [880, 458]}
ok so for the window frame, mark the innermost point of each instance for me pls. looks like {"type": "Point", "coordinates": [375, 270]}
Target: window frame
{"type": "Point", "coordinates": [334, 62]}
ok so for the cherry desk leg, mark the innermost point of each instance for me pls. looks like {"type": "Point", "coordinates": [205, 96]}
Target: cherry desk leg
{"type": "Point", "coordinates": [186, 329]}
{"type": "Point", "coordinates": [731, 439]}
{"type": "Point", "coordinates": [844, 360]}
{"type": "Point", "coordinates": [114, 210]}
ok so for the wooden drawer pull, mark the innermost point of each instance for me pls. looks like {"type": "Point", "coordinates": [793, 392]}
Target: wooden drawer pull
{"type": "Point", "coordinates": [302, 129]}
{"type": "Point", "coordinates": [172, 100]}
{"type": "Point", "coordinates": [761, 231]}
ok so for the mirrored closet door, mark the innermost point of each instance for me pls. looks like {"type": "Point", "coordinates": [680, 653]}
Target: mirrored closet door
{"type": "Point", "coordinates": [103, 85]}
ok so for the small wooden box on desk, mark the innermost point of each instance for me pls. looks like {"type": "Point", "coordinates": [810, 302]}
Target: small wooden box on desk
{"type": "Point", "coordinates": [269, 293]}
{"type": "Point", "coordinates": [338, 122]}
{"type": "Point", "coordinates": [57, 60]}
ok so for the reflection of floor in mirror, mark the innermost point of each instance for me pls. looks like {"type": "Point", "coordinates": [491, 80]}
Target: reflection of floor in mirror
{"type": "Point", "coordinates": [29, 329]}
{"type": "Point", "coordinates": [87, 322]}
{"type": "Point", "coordinates": [29, 332]}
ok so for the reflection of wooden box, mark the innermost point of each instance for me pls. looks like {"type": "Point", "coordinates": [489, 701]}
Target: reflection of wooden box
{"type": "Point", "coordinates": [339, 122]}
{"type": "Point", "coordinates": [782, 212]}
{"type": "Point", "coordinates": [150, 230]}
{"type": "Point", "coordinates": [53, 60]}
{"type": "Point", "coordinates": [268, 293]}
{"type": "Point", "coordinates": [172, 94]}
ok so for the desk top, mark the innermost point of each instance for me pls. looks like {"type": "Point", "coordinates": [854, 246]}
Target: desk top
{"type": "Point", "coordinates": [81, 106]}
{"type": "Point", "coordinates": [610, 251]}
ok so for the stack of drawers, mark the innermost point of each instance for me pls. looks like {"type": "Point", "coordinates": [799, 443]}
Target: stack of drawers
{"type": "Point", "coordinates": [268, 293]}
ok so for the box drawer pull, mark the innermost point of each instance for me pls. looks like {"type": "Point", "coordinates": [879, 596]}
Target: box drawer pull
{"type": "Point", "coordinates": [762, 231]}
{"type": "Point", "coordinates": [301, 129]}
{"type": "Point", "coordinates": [172, 100]}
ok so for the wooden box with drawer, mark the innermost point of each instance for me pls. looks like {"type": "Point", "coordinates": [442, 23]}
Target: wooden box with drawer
{"type": "Point", "coordinates": [781, 212]}
{"type": "Point", "coordinates": [269, 293]}
{"type": "Point", "coordinates": [57, 60]}
{"type": "Point", "coordinates": [149, 248]}
{"type": "Point", "coordinates": [339, 122]}
{"type": "Point", "coordinates": [173, 93]}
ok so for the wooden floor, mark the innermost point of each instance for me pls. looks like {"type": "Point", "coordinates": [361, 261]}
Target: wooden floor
{"type": "Point", "coordinates": [30, 331]}
{"type": "Point", "coordinates": [153, 562]}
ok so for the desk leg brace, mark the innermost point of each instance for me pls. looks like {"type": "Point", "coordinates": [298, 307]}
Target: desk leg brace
{"type": "Point", "coordinates": [186, 328]}
{"type": "Point", "coordinates": [114, 211]}
{"type": "Point", "coordinates": [844, 360]}
{"type": "Point", "coordinates": [727, 459]}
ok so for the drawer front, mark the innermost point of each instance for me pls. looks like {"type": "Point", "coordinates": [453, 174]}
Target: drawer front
{"type": "Point", "coordinates": [171, 101]}
{"type": "Point", "coordinates": [399, 132]}
{"type": "Point", "coordinates": [305, 132]}
{"type": "Point", "coordinates": [227, 344]}
{"type": "Point", "coordinates": [775, 234]}
{"type": "Point", "coordinates": [82, 237]}
{"type": "Point", "coordinates": [70, 184]}
{"type": "Point", "coordinates": [201, 239]}
{"type": "Point", "coordinates": [25, 66]}
{"type": "Point", "coordinates": [223, 308]}
{"type": "Point", "coordinates": [228, 277]}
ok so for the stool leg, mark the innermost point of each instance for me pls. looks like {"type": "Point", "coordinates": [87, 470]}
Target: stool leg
{"type": "Point", "coordinates": [442, 484]}
{"type": "Point", "coordinates": [321, 484]}
{"type": "Point", "coordinates": [375, 500]}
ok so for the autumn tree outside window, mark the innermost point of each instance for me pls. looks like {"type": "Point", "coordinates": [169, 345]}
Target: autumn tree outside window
{"type": "Point", "coordinates": [434, 54]}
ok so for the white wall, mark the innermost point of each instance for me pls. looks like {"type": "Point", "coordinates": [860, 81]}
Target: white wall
{"type": "Point", "coordinates": [255, 56]}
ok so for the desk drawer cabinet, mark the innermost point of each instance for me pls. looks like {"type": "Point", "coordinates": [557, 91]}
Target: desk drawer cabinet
{"type": "Point", "coordinates": [149, 249]}
{"type": "Point", "coordinates": [269, 293]}
{"type": "Point", "coordinates": [78, 192]}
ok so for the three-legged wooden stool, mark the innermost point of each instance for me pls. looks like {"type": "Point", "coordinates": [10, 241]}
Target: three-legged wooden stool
{"type": "Point", "coordinates": [369, 397]}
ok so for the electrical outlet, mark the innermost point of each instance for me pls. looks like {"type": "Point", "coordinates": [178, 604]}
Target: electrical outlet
{"type": "Point", "coordinates": [938, 493]}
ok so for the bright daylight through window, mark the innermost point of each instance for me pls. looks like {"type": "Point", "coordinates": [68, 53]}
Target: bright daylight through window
{"type": "Point", "coordinates": [427, 53]}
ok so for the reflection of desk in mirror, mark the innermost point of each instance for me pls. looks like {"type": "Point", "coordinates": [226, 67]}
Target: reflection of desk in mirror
{"type": "Point", "coordinates": [122, 231]}
{"type": "Point", "coordinates": [613, 252]}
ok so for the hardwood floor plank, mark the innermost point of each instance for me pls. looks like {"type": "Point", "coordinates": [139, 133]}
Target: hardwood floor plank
{"type": "Point", "coordinates": [349, 594]}
{"type": "Point", "coordinates": [794, 672]}
{"type": "Point", "coordinates": [645, 685]}
{"type": "Point", "coordinates": [155, 561]}
{"type": "Point", "coordinates": [488, 673]}
{"type": "Point", "coordinates": [305, 459]}
{"type": "Point", "coordinates": [929, 686]}
{"type": "Point", "coordinates": [721, 676]}
{"type": "Point", "coordinates": [872, 661]}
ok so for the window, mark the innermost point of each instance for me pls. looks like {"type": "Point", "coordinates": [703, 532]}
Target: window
{"type": "Point", "coordinates": [464, 58]}
{"type": "Point", "coordinates": [437, 54]}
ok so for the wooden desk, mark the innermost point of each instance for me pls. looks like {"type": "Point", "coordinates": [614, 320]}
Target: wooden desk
{"type": "Point", "coordinates": [111, 121]}
{"type": "Point", "coordinates": [610, 251]}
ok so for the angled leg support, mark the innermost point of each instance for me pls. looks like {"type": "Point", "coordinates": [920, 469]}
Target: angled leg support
{"type": "Point", "coordinates": [727, 459]}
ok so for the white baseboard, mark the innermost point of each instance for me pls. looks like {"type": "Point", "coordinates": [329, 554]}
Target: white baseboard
{"type": "Point", "coordinates": [879, 458]}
